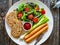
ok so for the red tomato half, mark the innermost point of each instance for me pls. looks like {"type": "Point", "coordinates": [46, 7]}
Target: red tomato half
{"type": "Point", "coordinates": [35, 20]}
{"type": "Point", "coordinates": [30, 16]}
{"type": "Point", "coordinates": [26, 9]}
{"type": "Point", "coordinates": [20, 15]}
{"type": "Point", "coordinates": [43, 12]}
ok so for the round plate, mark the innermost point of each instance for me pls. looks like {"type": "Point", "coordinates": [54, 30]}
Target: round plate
{"type": "Point", "coordinates": [50, 23]}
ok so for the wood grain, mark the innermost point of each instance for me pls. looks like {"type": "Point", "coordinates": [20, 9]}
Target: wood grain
{"type": "Point", "coordinates": [5, 39]}
{"type": "Point", "coordinates": [10, 3]}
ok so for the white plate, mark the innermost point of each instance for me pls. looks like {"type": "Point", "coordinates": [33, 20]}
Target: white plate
{"type": "Point", "coordinates": [50, 23]}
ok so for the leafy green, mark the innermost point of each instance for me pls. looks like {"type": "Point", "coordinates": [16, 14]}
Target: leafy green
{"type": "Point", "coordinates": [32, 4]}
{"type": "Point", "coordinates": [31, 11]}
{"type": "Point", "coordinates": [37, 13]}
{"type": "Point", "coordinates": [21, 7]}
{"type": "Point", "coordinates": [24, 17]}
{"type": "Point", "coordinates": [42, 8]}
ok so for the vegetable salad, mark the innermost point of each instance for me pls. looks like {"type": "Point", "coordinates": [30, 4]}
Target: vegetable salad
{"type": "Point", "coordinates": [30, 12]}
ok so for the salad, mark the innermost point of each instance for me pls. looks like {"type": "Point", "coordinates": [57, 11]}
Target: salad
{"type": "Point", "coordinates": [30, 12]}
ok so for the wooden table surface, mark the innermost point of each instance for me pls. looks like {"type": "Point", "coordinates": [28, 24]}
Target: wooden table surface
{"type": "Point", "coordinates": [4, 38]}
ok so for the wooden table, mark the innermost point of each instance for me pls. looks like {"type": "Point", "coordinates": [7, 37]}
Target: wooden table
{"type": "Point", "coordinates": [4, 38]}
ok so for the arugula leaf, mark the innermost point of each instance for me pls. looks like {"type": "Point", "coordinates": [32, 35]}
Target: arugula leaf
{"type": "Point", "coordinates": [21, 7]}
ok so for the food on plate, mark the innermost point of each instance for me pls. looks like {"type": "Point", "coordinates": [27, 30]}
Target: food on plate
{"type": "Point", "coordinates": [28, 21]}
{"type": "Point", "coordinates": [15, 25]}
{"type": "Point", "coordinates": [43, 12]}
{"type": "Point", "coordinates": [21, 7]}
{"type": "Point", "coordinates": [29, 12]}
{"type": "Point", "coordinates": [37, 8]}
{"type": "Point", "coordinates": [20, 15]}
{"type": "Point", "coordinates": [36, 34]}
{"type": "Point", "coordinates": [30, 16]}
{"type": "Point", "coordinates": [35, 20]}
{"type": "Point", "coordinates": [34, 31]}
{"type": "Point", "coordinates": [26, 9]}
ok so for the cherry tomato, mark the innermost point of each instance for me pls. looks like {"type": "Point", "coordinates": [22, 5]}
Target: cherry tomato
{"type": "Point", "coordinates": [30, 16]}
{"type": "Point", "coordinates": [35, 20]}
{"type": "Point", "coordinates": [43, 12]}
{"type": "Point", "coordinates": [20, 15]}
{"type": "Point", "coordinates": [26, 9]}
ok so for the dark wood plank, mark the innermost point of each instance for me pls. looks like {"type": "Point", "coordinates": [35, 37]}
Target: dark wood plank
{"type": "Point", "coordinates": [14, 1]}
{"type": "Point", "coordinates": [10, 3]}
{"type": "Point", "coordinates": [3, 10]}
{"type": "Point", "coordinates": [54, 37]}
